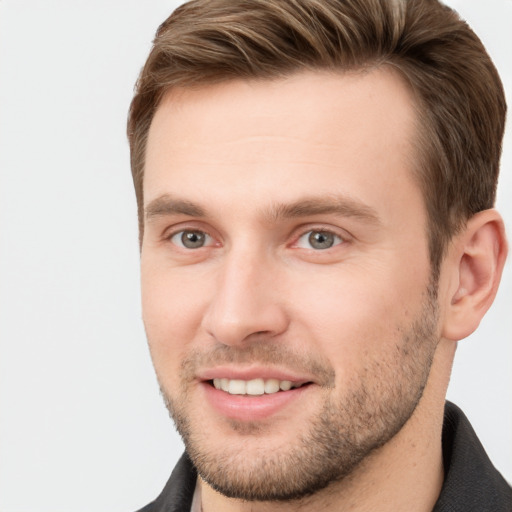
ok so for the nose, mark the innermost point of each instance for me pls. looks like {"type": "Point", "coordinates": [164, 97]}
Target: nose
{"type": "Point", "coordinates": [246, 304]}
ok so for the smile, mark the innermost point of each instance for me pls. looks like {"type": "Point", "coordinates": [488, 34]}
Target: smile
{"type": "Point", "coordinates": [254, 387]}
{"type": "Point", "coordinates": [254, 399]}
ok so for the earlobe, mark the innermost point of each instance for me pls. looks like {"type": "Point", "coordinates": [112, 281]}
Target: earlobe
{"type": "Point", "coordinates": [478, 256]}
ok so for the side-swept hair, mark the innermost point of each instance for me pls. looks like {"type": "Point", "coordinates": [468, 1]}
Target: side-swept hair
{"type": "Point", "coordinates": [460, 98]}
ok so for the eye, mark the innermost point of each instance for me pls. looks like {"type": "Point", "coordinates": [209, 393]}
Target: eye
{"type": "Point", "coordinates": [318, 240]}
{"type": "Point", "coordinates": [191, 239]}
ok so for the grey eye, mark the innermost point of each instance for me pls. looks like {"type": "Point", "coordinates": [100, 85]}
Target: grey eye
{"type": "Point", "coordinates": [318, 240]}
{"type": "Point", "coordinates": [190, 239]}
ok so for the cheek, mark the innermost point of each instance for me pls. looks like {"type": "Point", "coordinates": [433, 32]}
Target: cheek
{"type": "Point", "coordinates": [172, 297]}
{"type": "Point", "coordinates": [354, 316]}
{"type": "Point", "coordinates": [172, 312]}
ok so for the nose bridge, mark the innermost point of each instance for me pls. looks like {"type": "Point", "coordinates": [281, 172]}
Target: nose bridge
{"type": "Point", "coordinates": [245, 302]}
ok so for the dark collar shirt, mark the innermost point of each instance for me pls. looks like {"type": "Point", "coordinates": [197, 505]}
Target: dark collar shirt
{"type": "Point", "coordinates": [471, 484]}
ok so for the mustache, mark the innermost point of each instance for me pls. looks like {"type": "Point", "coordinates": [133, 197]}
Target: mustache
{"type": "Point", "coordinates": [262, 353]}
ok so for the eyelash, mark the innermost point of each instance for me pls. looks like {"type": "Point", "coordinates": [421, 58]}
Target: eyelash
{"type": "Point", "coordinates": [170, 237]}
{"type": "Point", "coordinates": [337, 238]}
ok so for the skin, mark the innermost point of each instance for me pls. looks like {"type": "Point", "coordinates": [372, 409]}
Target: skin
{"type": "Point", "coordinates": [360, 321]}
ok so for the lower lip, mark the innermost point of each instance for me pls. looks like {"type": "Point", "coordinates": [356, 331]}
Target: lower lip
{"type": "Point", "coordinates": [250, 408]}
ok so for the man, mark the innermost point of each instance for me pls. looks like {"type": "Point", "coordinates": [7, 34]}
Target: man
{"type": "Point", "coordinates": [315, 183]}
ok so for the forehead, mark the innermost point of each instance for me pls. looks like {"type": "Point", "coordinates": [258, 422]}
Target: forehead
{"type": "Point", "coordinates": [277, 140]}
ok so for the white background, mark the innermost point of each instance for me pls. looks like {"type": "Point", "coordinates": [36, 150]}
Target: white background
{"type": "Point", "coordinates": [82, 427]}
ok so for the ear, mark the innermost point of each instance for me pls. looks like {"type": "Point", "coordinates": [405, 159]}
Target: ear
{"type": "Point", "coordinates": [475, 264]}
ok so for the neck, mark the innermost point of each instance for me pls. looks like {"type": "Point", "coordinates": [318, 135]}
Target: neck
{"type": "Point", "coordinates": [405, 474]}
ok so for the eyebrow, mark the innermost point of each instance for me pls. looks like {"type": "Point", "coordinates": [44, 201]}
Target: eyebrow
{"type": "Point", "coordinates": [343, 206]}
{"type": "Point", "coordinates": [166, 205]}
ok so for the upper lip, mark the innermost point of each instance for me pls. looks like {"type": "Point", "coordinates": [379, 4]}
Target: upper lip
{"type": "Point", "coordinates": [252, 372]}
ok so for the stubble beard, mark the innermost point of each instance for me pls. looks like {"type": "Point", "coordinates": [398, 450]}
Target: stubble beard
{"type": "Point", "coordinates": [346, 431]}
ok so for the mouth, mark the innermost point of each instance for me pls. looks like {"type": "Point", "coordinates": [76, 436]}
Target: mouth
{"type": "Point", "coordinates": [253, 393]}
{"type": "Point", "coordinates": [254, 399]}
{"type": "Point", "coordinates": [254, 387]}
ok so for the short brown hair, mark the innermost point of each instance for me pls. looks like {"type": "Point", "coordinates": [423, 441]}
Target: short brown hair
{"type": "Point", "coordinates": [460, 98]}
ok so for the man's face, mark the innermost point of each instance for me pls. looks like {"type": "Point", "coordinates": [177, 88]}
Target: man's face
{"type": "Point", "coordinates": [285, 245]}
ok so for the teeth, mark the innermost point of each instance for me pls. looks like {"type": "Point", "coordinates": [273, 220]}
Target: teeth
{"type": "Point", "coordinates": [271, 386]}
{"type": "Point", "coordinates": [237, 387]}
{"type": "Point", "coordinates": [285, 385]}
{"type": "Point", "coordinates": [253, 387]}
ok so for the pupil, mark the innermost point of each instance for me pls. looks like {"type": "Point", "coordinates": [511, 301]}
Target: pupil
{"type": "Point", "coordinates": [192, 239]}
{"type": "Point", "coordinates": [321, 240]}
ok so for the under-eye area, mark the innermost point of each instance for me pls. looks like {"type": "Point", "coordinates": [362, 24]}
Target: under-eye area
{"type": "Point", "coordinates": [255, 387]}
